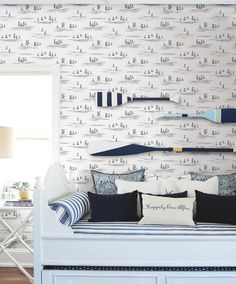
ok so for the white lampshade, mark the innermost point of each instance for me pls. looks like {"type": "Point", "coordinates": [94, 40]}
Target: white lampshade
{"type": "Point", "coordinates": [6, 141]}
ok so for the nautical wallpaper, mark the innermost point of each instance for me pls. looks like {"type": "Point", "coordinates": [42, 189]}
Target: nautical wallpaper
{"type": "Point", "coordinates": [143, 50]}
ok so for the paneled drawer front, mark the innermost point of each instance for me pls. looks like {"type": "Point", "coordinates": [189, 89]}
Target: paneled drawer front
{"type": "Point", "coordinates": [201, 280]}
{"type": "Point", "coordinates": [60, 279]}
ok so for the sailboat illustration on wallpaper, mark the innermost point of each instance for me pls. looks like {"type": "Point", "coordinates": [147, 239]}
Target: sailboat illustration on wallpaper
{"type": "Point", "coordinates": [224, 115]}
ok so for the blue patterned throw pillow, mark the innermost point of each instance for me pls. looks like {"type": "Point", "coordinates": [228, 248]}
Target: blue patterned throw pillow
{"type": "Point", "coordinates": [227, 183]}
{"type": "Point", "coordinates": [105, 183]}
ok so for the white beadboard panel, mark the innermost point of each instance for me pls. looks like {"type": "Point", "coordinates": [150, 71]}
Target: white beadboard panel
{"type": "Point", "coordinates": [155, 50]}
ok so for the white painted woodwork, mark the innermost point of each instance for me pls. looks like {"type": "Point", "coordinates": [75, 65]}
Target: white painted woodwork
{"type": "Point", "coordinates": [108, 277]}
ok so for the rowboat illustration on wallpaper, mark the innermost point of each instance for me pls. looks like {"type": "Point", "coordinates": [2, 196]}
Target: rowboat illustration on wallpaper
{"type": "Point", "coordinates": [103, 148]}
{"type": "Point", "coordinates": [112, 99]}
{"type": "Point", "coordinates": [224, 115]}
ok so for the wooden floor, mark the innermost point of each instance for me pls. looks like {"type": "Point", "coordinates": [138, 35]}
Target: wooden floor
{"type": "Point", "coordinates": [13, 276]}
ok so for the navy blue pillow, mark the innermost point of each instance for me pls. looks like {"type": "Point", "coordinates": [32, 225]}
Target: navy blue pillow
{"type": "Point", "coordinates": [174, 195]}
{"type": "Point", "coordinates": [112, 208]}
{"type": "Point", "coordinates": [212, 208]}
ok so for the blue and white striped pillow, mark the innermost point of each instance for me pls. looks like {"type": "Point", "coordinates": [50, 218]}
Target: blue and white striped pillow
{"type": "Point", "coordinates": [72, 208]}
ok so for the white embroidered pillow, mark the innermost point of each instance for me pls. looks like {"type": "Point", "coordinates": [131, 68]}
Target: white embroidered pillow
{"type": "Point", "coordinates": [167, 185]}
{"type": "Point", "coordinates": [167, 211]}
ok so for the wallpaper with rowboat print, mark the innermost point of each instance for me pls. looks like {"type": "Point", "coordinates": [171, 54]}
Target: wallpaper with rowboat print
{"type": "Point", "coordinates": [148, 50]}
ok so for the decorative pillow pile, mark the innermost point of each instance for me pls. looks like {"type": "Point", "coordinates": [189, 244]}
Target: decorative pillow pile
{"type": "Point", "coordinates": [227, 183]}
{"type": "Point", "coordinates": [126, 197]}
{"type": "Point", "coordinates": [72, 208]}
{"type": "Point", "coordinates": [215, 208]}
{"type": "Point", "coordinates": [111, 208]}
{"type": "Point", "coordinates": [105, 183]}
{"type": "Point", "coordinates": [167, 211]}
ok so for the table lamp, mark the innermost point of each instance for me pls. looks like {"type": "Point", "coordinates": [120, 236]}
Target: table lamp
{"type": "Point", "coordinates": [6, 141]}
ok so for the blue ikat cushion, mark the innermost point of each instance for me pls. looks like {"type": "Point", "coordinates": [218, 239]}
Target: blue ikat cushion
{"type": "Point", "coordinates": [105, 183]}
{"type": "Point", "coordinates": [227, 183]}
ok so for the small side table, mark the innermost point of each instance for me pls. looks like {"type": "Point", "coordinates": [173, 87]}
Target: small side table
{"type": "Point", "coordinates": [15, 235]}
